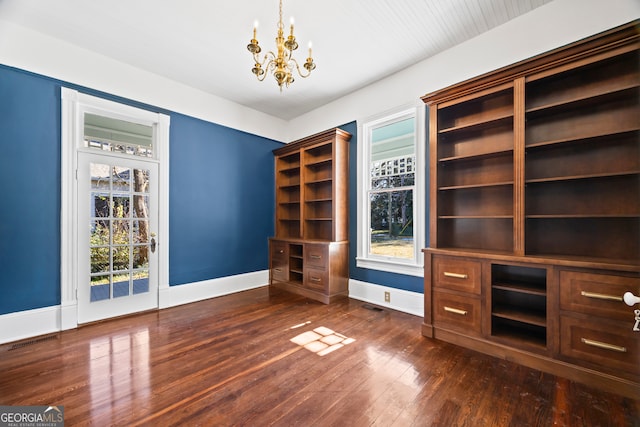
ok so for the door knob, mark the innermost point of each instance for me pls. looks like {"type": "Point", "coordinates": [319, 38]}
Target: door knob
{"type": "Point", "coordinates": [153, 242]}
{"type": "Point", "coordinates": [630, 299]}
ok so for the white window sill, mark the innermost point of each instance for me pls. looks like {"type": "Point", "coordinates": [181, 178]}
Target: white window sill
{"type": "Point", "coordinates": [391, 266]}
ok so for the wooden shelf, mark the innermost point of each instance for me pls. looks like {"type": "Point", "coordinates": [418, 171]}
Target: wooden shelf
{"type": "Point", "coordinates": [523, 288]}
{"type": "Point", "coordinates": [583, 99]}
{"type": "Point", "coordinates": [475, 217]}
{"type": "Point", "coordinates": [320, 163]}
{"type": "Point", "coordinates": [480, 124]}
{"type": "Point", "coordinates": [476, 156]}
{"type": "Point", "coordinates": [480, 185]}
{"type": "Point", "coordinates": [319, 181]}
{"type": "Point", "coordinates": [530, 317]}
{"type": "Point", "coordinates": [583, 216]}
{"type": "Point", "coordinates": [585, 176]}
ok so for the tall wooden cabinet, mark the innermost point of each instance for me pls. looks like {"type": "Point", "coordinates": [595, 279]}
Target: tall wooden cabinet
{"type": "Point", "coordinates": [535, 212]}
{"type": "Point", "coordinates": [309, 253]}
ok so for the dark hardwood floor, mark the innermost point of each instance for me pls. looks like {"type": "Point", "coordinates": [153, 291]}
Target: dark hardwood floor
{"type": "Point", "coordinates": [230, 361]}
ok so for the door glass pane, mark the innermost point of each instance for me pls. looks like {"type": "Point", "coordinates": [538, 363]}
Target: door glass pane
{"type": "Point", "coordinates": [120, 258]}
{"type": "Point", "coordinates": [140, 231]}
{"type": "Point", "coordinates": [121, 285]}
{"type": "Point", "coordinates": [121, 178]}
{"type": "Point", "coordinates": [100, 232]}
{"type": "Point", "coordinates": [100, 260]}
{"type": "Point", "coordinates": [100, 205]}
{"type": "Point", "coordinates": [100, 176]}
{"type": "Point", "coordinates": [119, 235]}
{"type": "Point", "coordinates": [120, 206]}
{"type": "Point", "coordinates": [140, 257]}
{"type": "Point", "coordinates": [141, 281]}
{"type": "Point", "coordinates": [100, 287]}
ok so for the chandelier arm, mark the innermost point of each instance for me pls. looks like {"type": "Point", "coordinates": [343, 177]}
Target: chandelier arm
{"type": "Point", "coordinates": [304, 76]}
{"type": "Point", "coordinates": [256, 58]}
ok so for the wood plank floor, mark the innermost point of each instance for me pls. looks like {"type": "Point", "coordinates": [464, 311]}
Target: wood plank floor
{"type": "Point", "coordinates": [230, 361]}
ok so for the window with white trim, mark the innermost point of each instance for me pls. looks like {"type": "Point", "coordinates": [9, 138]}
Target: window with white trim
{"type": "Point", "coordinates": [391, 194]}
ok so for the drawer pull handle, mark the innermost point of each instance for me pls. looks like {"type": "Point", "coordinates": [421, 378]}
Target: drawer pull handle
{"type": "Point", "coordinates": [596, 295]}
{"type": "Point", "coordinates": [315, 256]}
{"type": "Point", "coordinates": [604, 345]}
{"type": "Point", "coordinates": [455, 311]}
{"type": "Point", "coordinates": [277, 269]}
{"type": "Point", "coordinates": [315, 279]}
{"type": "Point", "coordinates": [456, 275]}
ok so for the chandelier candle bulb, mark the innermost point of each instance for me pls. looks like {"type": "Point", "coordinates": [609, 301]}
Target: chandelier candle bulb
{"type": "Point", "coordinates": [310, 49]}
{"type": "Point", "coordinates": [292, 26]}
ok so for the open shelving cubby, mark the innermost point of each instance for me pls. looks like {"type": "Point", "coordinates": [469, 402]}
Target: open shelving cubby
{"type": "Point", "coordinates": [475, 163]}
{"type": "Point", "coordinates": [288, 196]}
{"type": "Point", "coordinates": [582, 161]}
{"type": "Point", "coordinates": [519, 304]}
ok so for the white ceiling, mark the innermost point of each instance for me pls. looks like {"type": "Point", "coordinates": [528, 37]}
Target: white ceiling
{"type": "Point", "coordinates": [202, 43]}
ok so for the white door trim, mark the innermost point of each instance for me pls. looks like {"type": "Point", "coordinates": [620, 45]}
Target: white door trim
{"type": "Point", "coordinates": [74, 105]}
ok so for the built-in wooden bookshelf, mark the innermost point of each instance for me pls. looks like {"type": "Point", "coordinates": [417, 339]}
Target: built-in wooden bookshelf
{"type": "Point", "coordinates": [535, 195]}
{"type": "Point", "coordinates": [311, 216]}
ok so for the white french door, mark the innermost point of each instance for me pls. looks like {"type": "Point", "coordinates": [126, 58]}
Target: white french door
{"type": "Point", "coordinates": [116, 230]}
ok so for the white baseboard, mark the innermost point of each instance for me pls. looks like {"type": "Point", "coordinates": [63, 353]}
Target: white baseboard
{"type": "Point", "coordinates": [29, 323]}
{"type": "Point", "coordinates": [198, 291]}
{"type": "Point", "coordinates": [47, 320]}
{"type": "Point", "coordinates": [401, 300]}
{"type": "Point", "coordinates": [32, 323]}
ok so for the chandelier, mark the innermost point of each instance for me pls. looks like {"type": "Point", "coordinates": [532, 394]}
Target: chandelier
{"type": "Point", "coordinates": [283, 63]}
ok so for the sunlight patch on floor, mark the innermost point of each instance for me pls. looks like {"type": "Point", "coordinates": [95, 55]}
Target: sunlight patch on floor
{"type": "Point", "coordinates": [321, 340]}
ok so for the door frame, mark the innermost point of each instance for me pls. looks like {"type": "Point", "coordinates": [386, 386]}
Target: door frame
{"type": "Point", "coordinates": [74, 105]}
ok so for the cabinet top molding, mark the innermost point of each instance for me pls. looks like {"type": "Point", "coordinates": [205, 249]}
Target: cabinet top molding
{"type": "Point", "coordinates": [622, 38]}
{"type": "Point", "coordinates": [313, 139]}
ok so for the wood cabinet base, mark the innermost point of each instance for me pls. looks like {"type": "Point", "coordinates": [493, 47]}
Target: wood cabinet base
{"type": "Point", "coordinates": [311, 294]}
{"type": "Point", "coordinates": [560, 368]}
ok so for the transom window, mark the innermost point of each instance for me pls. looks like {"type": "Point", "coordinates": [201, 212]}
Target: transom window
{"type": "Point", "coordinates": [391, 199]}
{"type": "Point", "coordinates": [117, 136]}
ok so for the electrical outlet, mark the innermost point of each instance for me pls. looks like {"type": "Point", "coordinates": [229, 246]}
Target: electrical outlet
{"type": "Point", "coordinates": [387, 297]}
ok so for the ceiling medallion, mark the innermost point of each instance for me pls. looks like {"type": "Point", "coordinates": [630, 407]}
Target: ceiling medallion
{"type": "Point", "coordinates": [283, 63]}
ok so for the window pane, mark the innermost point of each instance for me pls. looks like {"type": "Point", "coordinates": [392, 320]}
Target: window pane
{"type": "Point", "coordinates": [393, 154]}
{"type": "Point", "coordinates": [392, 224]}
{"type": "Point", "coordinates": [119, 136]}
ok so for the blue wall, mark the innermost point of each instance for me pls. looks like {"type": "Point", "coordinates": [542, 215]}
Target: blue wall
{"type": "Point", "coordinates": [221, 201]}
{"type": "Point", "coordinates": [30, 196]}
{"type": "Point", "coordinates": [399, 281]}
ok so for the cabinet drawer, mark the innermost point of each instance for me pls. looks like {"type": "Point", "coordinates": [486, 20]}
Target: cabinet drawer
{"type": "Point", "coordinates": [457, 274]}
{"type": "Point", "coordinates": [279, 249]}
{"type": "Point", "coordinates": [457, 312]}
{"type": "Point", "coordinates": [315, 255]}
{"type": "Point", "coordinates": [611, 345]}
{"type": "Point", "coordinates": [315, 279]}
{"type": "Point", "coordinates": [279, 271]}
{"type": "Point", "coordinates": [597, 294]}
